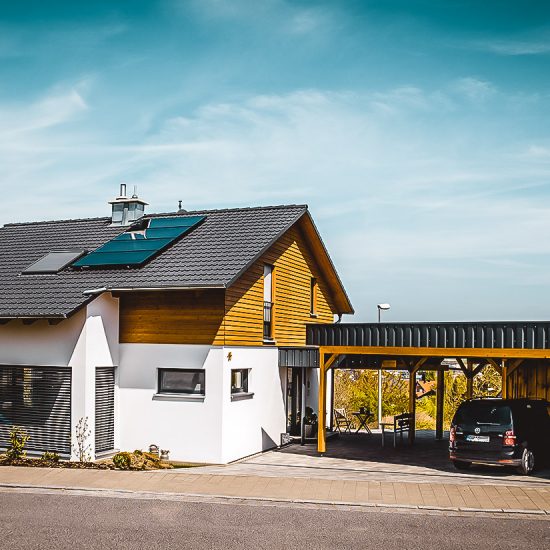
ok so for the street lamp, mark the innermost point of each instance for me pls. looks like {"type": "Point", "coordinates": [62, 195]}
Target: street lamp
{"type": "Point", "coordinates": [380, 307]}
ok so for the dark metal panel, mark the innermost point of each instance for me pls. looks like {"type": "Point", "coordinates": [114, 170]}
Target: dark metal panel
{"type": "Point", "coordinates": [299, 357]}
{"type": "Point", "coordinates": [519, 335]}
{"type": "Point", "coordinates": [104, 409]}
{"type": "Point", "coordinates": [37, 399]}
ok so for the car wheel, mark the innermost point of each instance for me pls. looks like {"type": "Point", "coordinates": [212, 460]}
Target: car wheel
{"type": "Point", "coordinates": [461, 465]}
{"type": "Point", "coordinates": [527, 462]}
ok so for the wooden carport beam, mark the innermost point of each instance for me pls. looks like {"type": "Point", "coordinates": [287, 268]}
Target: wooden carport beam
{"type": "Point", "coordinates": [495, 365]}
{"type": "Point", "coordinates": [466, 353]}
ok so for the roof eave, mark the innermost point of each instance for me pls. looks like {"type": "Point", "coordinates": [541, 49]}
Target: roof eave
{"type": "Point", "coordinates": [344, 303]}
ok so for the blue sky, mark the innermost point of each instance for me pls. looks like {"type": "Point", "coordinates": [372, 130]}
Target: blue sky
{"type": "Point", "coordinates": [417, 131]}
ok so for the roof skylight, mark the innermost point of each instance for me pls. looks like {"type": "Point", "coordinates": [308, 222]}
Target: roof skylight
{"type": "Point", "coordinates": [53, 262]}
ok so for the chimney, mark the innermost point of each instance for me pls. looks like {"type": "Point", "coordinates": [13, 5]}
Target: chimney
{"type": "Point", "coordinates": [126, 210]}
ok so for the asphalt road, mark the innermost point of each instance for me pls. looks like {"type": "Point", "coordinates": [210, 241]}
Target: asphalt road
{"type": "Point", "coordinates": [55, 521]}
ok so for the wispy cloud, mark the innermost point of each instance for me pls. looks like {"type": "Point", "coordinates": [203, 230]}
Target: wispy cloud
{"type": "Point", "coordinates": [398, 183]}
{"type": "Point", "coordinates": [510, 47]}
{"type": "Point", "coordinates": [474, 89]}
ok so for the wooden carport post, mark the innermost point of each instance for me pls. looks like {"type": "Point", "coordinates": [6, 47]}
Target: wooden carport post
{"type": "Point", "coordinates": [324, 365]}
{"type": "Point", "coordinates": [469, 380]}
{"type": "Point", "coordinates": [440, 403]}
{"type": "Point", "coordinates": [504, 390]}
{"type": "Point", "coordinates": [412, 397]}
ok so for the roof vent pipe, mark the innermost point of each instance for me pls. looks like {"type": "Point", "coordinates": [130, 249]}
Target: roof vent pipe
{"type": "Point", "coordinates": [122, 191]}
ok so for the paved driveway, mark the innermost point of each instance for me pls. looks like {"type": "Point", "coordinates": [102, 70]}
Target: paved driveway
{"type": "Point", "coordinates": [361, 457]}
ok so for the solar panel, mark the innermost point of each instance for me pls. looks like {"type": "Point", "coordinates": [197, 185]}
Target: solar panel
{"type": "Point", "coordinates": [140, 243]}
{"type": "Point", "coordinates": [53, 261]}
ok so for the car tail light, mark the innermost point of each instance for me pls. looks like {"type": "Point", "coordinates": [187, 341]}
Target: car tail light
{"type": "Point", "coordinates": [509, 438]}
{"type": "Point", "coordinates": [452, 434]}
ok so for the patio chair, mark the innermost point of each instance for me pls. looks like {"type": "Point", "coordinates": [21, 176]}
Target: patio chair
{"type": "Point", "coordinates": [342, 421]}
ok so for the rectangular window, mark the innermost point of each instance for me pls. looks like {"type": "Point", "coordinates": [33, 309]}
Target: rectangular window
{"type": "Point", "coordinates": [268, 302]}
{"type": "Point", "coordinates": [239, 381]}
{"type": "Point", "coordinates": [313, 297]}
{"type": "Point", "coordinates": [182, 381]}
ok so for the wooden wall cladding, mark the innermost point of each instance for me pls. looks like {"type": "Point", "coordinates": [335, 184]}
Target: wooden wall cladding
{"type": "Point", "coordinates": [294, 266]}
{"type": "Point", "coordinates": [235, 316]}
{"type": "Point", "coordinates": [175, 317]}
{"type": "Point", "coordinates": [531, 379]}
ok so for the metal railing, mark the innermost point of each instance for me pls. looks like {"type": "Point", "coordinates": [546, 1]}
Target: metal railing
{"type": "Point", "coordinates": [268, 318]}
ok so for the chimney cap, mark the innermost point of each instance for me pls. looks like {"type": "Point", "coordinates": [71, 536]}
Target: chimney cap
{"type": "Point", "coordinates": [124, 198]}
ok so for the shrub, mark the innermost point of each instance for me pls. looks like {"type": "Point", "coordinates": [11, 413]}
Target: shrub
{"type": "Point", "coordinates": [81, 446]}
{"type": "Point", "coordinates": [50, 457]}
{"type": "Point", "coordinates": [122, 461]}
{"type": "Point", "coordinates": [17, 441]}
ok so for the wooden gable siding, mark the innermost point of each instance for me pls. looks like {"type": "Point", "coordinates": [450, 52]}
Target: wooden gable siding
{"type": "Point", "coordinates": [234, 317]}
{"type": "Point", "coordinates": [174, 317]}
{"type": "Point", "coordinates": [294, 266]}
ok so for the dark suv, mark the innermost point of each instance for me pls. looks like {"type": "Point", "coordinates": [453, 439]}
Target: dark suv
{"type": "Point", "coordinates": [503, 432]}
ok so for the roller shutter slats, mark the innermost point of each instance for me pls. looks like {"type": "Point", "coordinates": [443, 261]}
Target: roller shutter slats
{"type": "Point", "coordinates": [104, 409]}
{"type": "Point", "coordinates": [38, 399]}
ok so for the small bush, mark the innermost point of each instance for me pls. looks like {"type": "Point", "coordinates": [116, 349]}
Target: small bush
{"type": "Point", "coordinates": [122, 461]}
{"type": "Point", "coordinates": [50, 457]}
{"type": "Point", "coordinates": [138, 460]}
{"type": "Point", "coordinates": [17, 441]}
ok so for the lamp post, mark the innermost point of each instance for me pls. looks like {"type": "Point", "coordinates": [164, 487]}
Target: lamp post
{"type": "Point", "coordinates": [381, 307]}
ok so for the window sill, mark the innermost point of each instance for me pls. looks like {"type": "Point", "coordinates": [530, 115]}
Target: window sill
{"type": "Point", "coordinates": [314, 315]}
{"type": "Point", "coordinates": [241, 396]}
{"type": "Point", "coordinates": [177, 397]}
{"type": "Point", "coordinates": [269, 341]}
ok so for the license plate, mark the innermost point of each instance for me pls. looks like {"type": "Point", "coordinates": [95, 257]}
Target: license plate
{"type": "Point", "coordinates": [478, 438]}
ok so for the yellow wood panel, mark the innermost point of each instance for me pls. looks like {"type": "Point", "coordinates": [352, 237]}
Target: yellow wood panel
{"type": "Point", "coordinates": [174, 317]}
{"type": "Point", "coordinates": [294, 266]}
{"type": "Point", "coordinates": [475, 353]}
{"type": "Point", "coordinates": [531, 379]}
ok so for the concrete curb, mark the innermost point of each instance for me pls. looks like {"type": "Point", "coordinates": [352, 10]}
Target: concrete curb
{"type": "Point", "coordinates": [122, 493]}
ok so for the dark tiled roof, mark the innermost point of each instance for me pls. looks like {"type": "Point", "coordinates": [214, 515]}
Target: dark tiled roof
{"type": "Point", "coordinates": [213, 254]}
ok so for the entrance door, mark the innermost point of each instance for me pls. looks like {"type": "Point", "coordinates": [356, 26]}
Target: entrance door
{"type": "Point", "coordinates": [294, 400]}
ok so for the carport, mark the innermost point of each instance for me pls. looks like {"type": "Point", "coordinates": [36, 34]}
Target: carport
{"type": "Point", "coordinates": [519, 351]}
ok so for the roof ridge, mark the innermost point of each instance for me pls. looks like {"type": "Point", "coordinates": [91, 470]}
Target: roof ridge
{"type": "Point", "coordinates": [236, 209]}
{"type": "Point", "coordinates": [47, 222]}
{"type": "Point", "coordinates": [204, 211]}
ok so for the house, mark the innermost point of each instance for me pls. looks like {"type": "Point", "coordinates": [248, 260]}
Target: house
{"type": "Point", "coordinates": [161, 329]}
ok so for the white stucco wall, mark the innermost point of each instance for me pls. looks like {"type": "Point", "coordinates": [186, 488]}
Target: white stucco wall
{"type": "Point", "coordinates": [97, 346]}
{"type": "Point", "coordinates": [213, 430]}
{"type": "Point", "coordinates": [189, 429]}
{"type": "Point", "coordinates": [40, 344]}
{"type": "Point", "coordinates": [253, 425]}
{"type": "Point", "coordinates": [84, 341]}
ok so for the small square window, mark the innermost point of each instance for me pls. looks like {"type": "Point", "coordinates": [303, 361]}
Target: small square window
{"type": "Point", "coordinates": [182, 381]}
{"type": "Point", "coordinates": [239, 381]}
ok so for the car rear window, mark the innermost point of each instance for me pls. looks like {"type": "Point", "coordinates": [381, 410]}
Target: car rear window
{"type": "Point", "coordinates": [483, 414]}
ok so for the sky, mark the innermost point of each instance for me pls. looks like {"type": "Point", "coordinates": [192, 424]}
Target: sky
{"type": "Point", "coordinates": [416, 131]}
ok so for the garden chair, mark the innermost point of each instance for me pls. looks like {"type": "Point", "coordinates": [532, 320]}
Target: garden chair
{"type": "Point", "coordinates": [342, 421]}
